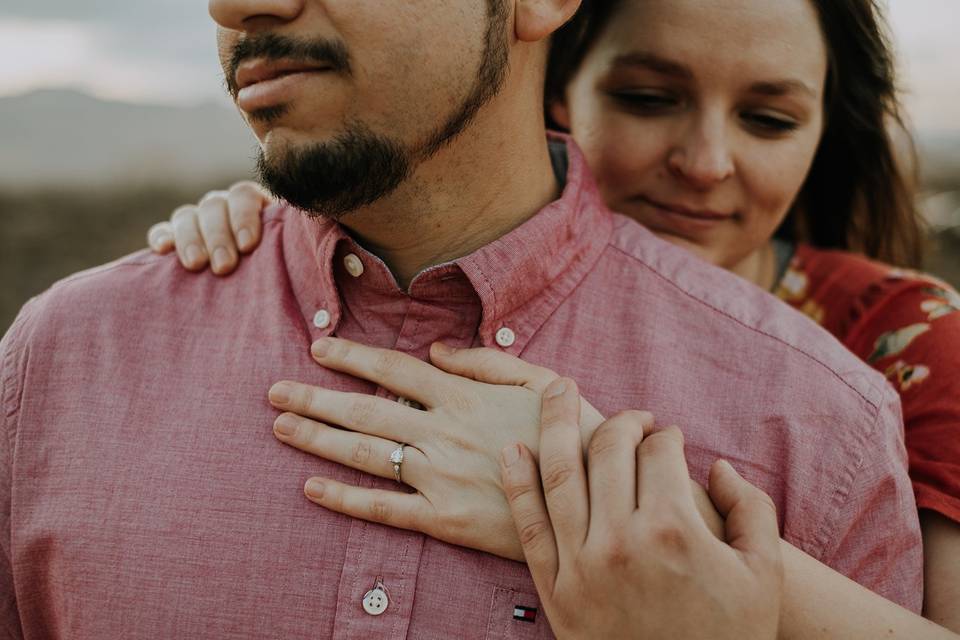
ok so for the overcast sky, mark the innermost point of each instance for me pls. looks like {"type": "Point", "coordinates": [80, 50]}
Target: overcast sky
{"type": "Point", "coordinates": [163, 52]}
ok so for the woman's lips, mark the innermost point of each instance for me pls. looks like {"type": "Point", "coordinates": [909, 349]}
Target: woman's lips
{"type": "Point", "coordinates": [687, 212]}
{"type": "Point", "coordinates": [679, 218]}
{"type": "Point", "coordinates": [274, 91]}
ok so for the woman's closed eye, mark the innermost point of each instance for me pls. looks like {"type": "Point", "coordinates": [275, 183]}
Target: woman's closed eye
{"type": "Point", "coordinates": [651, 102]}
{"type": "Point", "coordinates": [769, 124]}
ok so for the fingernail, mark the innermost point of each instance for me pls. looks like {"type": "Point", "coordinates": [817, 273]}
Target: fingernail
{"type": "Point", "coordinates": [510, 455]}
{"type": "Point", "coordinates": [162, 239]}
{"type": "Point", "coordinates": [556, 388]}
{"type": "Point", "coordinates": [194, 255]}
{"type": "Point", "coordinates": [244, 238]}
{"type": "Point", "coordinates": [320, 348]}
{"type": "Point", "coordinates": [280, 393]}
{"type": "Point", "coordinates": [285, 426]}
{"type": "Point", "coordinates": [314, 488]}
{"type": "Point", "coordinates": [220, 258]}
{"type": "Point", "coordinates": [444, 349]}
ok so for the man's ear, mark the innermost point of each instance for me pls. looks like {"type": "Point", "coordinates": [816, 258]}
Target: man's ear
{"type": "Point", "coordinates": [559, 113]}
{"type": "Point", "coordinates": [538, 19]}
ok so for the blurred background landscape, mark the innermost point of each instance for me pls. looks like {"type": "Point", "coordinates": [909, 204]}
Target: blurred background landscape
{"type": "Point", "coordinates": [112, 113]}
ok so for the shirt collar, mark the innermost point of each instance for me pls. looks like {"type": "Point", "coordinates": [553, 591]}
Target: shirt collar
{"type": "Point", "coordinates": [520, 279]}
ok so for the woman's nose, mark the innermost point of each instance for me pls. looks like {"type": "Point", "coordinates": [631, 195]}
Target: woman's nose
{"type": "Point", "coordinates": [703, 157]}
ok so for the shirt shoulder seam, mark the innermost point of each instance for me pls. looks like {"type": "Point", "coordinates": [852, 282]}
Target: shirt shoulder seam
{"type": "Point", "coordinates": [873, 404]}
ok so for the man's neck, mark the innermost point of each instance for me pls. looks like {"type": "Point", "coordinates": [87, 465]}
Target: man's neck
{"type": "Point", "coordinates": [476, 190]}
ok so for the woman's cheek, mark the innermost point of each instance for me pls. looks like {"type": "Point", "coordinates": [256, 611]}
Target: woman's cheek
{"type": "Point", "coordinates": [623, 156]}
{"type": "Point", "coordinates": [773, 179]}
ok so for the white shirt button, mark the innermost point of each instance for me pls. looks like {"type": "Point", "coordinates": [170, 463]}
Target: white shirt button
{"type": "Point", "coordinates": [353, 264]}
{"type": "Point", "coordinates": [375, 601]}
{"type": "Point", "coordinates": [321, 320]}
{"type": "Point", "coordinates": [506, 337]}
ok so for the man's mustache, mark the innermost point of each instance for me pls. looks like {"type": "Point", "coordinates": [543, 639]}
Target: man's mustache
{"type": "Point", "coordinates": [270, 46]}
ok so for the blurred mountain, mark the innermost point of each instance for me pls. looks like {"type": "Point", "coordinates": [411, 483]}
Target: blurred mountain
{"type": "Point", "coordinates": [939, 160]}
{"type": "Point", "coordinates": [67, 139]}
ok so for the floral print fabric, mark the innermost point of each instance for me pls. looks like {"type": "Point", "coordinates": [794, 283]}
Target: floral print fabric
{"type": "Point", "coordinates": [907, 326]}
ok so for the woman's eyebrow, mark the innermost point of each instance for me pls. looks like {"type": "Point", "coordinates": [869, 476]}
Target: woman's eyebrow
{"type": "Point", "coordinates": [654, 63]}
{"type": "Point", "coordinates": [782, 87]}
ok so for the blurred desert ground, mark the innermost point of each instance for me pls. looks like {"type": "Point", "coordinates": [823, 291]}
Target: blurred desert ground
{"type": "Point", "coordinates": [82, 179]}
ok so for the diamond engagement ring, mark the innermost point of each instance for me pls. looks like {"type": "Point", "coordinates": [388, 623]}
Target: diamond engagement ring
{"type": "Point", "coordinates": [396, 458]}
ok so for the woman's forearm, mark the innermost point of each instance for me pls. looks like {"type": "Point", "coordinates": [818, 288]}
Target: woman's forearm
{"type": "Point", "coordinates": [820, 603]}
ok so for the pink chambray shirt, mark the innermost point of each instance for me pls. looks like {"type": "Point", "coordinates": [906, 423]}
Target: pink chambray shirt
{"type": "Point", "coordinates": [143, 494]}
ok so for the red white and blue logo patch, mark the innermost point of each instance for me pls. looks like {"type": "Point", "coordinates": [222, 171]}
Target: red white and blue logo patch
{"type": "Point", "coordinates": [527, 614]}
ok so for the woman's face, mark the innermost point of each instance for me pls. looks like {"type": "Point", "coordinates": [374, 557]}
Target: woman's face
{"type": "Point", "coordinates": [700, 118]}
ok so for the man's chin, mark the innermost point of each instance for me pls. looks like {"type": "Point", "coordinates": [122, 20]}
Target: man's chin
{"type": "Point", "coordinates": [335, 176]}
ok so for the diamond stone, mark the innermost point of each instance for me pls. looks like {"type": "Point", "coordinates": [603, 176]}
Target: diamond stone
{"type": "Point", "coordinates": [397, 456]}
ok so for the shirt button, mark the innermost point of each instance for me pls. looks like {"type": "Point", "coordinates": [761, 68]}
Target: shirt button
{"type": "Point", "coordinates": [353, 264]}
{"type": "Point", "coordinates": [322, 319]}
{"type": "Point", "coordinates": [375, 601]}
{"type": "Point", "coordinates": [506, 337]}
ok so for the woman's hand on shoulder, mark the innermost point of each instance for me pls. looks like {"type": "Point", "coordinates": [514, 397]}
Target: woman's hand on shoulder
{"type": "Point", "coordinates": [616, 545]}
{"type": "Point", "coordinates": [216, 231]}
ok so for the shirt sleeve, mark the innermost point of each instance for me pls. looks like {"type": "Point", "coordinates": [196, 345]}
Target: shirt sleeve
{"type": "Point", "coordinates": [876, 539]}
{"type": "Point", "coordinates": [912, 336]}
{"type": "Point", "coordinates": [12, 359]}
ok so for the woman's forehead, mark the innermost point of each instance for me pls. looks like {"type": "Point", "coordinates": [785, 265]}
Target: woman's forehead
{"type": "Point", "coordinates": [766, 36]}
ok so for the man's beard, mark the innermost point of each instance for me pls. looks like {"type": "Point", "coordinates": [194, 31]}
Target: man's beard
{"type": "Point", "coordinates": [359, 167]}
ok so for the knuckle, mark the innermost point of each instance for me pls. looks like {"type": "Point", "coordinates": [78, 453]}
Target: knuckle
{"type": "Point", "coordinates": [361, 412]}
{"type": "Point", "coordinates": [184, 214]}
{"type": "Point", "coordinates": [612, 436]}
{"type": "Point", "coordinates": [616, 553]}
{"type": "Point", "coordinates": [667, 536]}
{"type": "Point", "coordinates": [218, 196]}
{"type": "Point", "coordinates": [245, 188]}
{"type": "Point", "coordinates": [554, 417]}
{"type": "Point", "coordinates": [556, 474]}
{"type": "Point", "coordinates": [532, 530]}
{"type": "Point", "coordinates": [339, 350]}
{"type": "Point", "coordinates": [387, 363]}
{"type": "Point", "coordinates": [663, 442]}
{"type": "Point", "coordinates": [361, 452]}
{"type": "Point", "coordinates": [380, 511]}
{"type": "Point", "coordinates": [518, 492]}
{"type": "Point", "coordinates": [333, 497]}
{"type": "Point", "coordinates": [634, 418]}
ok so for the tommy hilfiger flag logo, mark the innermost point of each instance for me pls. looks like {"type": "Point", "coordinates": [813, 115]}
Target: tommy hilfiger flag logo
{"type": "Point", "coordinates": [527, 614]}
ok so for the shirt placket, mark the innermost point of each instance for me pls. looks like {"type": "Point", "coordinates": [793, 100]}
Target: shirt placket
{"type": "Point", "coordinates": [381, 564]}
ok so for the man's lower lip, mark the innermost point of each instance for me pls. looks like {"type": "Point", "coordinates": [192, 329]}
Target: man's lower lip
{"type": "Point", "coordinates": [273, 93]}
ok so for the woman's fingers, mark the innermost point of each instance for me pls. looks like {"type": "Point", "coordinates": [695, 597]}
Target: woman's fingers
{"type": "Point", "coordinates": [190, 246]}
{"type": "Point", "coordinates": [409, 511]}
{"type": "Point", "coordinates": [357, 412]}
{"type": "Point", "coordinates": [246, 201]}
{"type": "Point", "coordinates": [751, 516]}
{"type": "Point", "coordinates": [612, 460]}
{"type": "Point", "coordinates": [404, 375]}
{"type": "Point", "coordinates": [214, 221]}
{"type": "Point", "coordinates": [369, 454]}
{"type": "Point", "coordinates": [521, 485]}
{"type": "Point", "coordinates": [160, 238]}
{"type": "Point", "coordinates": [490, 366]}
{"type": "Point", "coordinates": [561, 465]}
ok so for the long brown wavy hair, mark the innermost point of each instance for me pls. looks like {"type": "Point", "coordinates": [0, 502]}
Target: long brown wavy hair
{"type": "Point", "coordinates": [859, 195]}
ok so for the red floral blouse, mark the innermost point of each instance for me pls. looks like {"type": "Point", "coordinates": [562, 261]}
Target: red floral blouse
{"type": "Point", "coordinates": [907, 326]}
